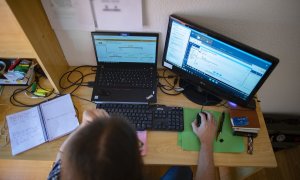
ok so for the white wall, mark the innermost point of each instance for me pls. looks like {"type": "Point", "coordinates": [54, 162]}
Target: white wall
{"type": "Point", "coordinates": [272, 26]}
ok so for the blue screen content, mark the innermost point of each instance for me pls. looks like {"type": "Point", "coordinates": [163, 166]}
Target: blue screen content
{"type": "Point", "coordinates": [226, 67]}
{"type": "Point", "coordinates": [124, 49]}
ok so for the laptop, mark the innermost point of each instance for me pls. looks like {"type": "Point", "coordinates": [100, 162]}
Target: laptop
{"type": "Point", "coordinates": [126, 67]}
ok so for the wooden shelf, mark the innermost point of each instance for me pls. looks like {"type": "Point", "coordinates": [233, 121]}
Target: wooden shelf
{"type": "Point", "coordinates": [26, 32]}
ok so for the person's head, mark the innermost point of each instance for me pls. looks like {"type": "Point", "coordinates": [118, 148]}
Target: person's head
{"type": "Point", "coordinates": [103, 149]}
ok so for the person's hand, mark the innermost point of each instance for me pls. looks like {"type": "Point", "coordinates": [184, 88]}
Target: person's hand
{"type": "Point", "coordinates": [206, 132]}
{"type": "Point", "coordinates": [90, 115]}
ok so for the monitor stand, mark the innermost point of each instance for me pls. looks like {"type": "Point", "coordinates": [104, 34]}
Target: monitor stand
{"type": "Point", "coordinates": [197, 95]}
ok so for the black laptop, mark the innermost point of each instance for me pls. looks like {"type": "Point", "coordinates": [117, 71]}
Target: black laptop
{"type": "Point", "coordinates": [126, 67]}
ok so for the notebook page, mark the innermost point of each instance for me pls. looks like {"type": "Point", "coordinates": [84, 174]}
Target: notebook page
{"type": "Point", "coordinates": [59, 116]}
{"type": "Point", "coordinates": [25, 130]}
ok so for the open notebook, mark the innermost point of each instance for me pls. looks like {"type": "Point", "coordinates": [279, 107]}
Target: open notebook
{"type": "Point", "coordinates": [40, 124]}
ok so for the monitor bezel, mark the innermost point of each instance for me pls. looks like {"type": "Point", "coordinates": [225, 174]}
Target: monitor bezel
{"type": "Point", "coordinates": [207, 85]}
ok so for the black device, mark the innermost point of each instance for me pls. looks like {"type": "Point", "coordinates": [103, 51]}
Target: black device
{"type": "Point", "coordinates": [212, 66]}
{"type": "Point", "coordinates": [148, 117]}
{"type": "Point", "coordinates": [283, 130]}
{"type": "Point", "coordinates": [126, 67]}
{"type": "Point", "coordinates": [220, 126]}
{"type": "Point", "coordinates": [199, 119]}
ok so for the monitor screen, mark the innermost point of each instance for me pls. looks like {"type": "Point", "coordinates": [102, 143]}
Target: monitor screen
{"type": "Point", "coordinates": [219, 65]}
{"type": "Point", "coordinates": [125, 47]}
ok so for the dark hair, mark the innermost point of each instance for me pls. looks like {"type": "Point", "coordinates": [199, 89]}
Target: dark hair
{"type": "Point", "coordinates": [104, 149]}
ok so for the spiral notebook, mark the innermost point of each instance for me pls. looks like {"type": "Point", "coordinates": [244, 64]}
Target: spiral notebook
{"type": "Point", "coordinates": [42, 123]}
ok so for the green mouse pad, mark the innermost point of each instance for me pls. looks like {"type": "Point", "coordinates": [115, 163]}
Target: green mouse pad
{"type": "Point", "coordinates": [226, 141]}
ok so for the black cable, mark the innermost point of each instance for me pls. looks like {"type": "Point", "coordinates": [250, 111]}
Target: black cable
{"type": "Point", "coordinates": [69, 74]}
{"type": "Point", "coordinates": [165, 87]}
{"type": "Point", "coordinates": [80, 79]}
{"type": "Point", "coordinates": [83, 98]}
{"type": "Point", "coordinates": [169, 76]}
{"type": "Point", "coordinates": [79, 82]}
{"type": "Point", "coordinates": [171, 94]}
{"type": "Point", "coordinates": [169, 87]}
{"type": "Point", "coordinates": [13, 100]}
{"type": "Point", "coordinates": [87, 83]}
{"type": "Point", "coordinates": [72, 83]}
{"type": "Point", "coordinates": [17, 103]}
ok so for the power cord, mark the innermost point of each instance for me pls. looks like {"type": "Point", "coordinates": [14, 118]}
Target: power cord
{"type": "Point", "coordinates": [13, 98]}
{"type": "Point", "coordinates": [170, 87]}
{"type": "Point", "coordinates": [77, 83]}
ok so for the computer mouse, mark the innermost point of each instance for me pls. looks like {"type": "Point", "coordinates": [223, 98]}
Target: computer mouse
{"type": "Point", "coordinates": [199, 118]}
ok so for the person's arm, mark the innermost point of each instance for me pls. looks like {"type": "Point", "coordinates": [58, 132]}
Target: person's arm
{"type": "Point", "coordinates": [206, 133]}
{"type": "Point", "coordinates": [87, 117]}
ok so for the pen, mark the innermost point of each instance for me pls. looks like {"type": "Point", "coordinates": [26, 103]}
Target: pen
{"type": "Point", "coordinates": [221, 121]}
{"type": "Point", "coordinates": [14, 64]}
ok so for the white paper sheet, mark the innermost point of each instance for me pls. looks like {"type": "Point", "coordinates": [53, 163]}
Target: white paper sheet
{"type": "Point", "coordinates": [69, 14]}
{"type": "Point", "coordinates": [59, 117]}
{"type": "Point", "coordinates": [118, 15]}
{"type": "Point", "coordinates": [25, 130]}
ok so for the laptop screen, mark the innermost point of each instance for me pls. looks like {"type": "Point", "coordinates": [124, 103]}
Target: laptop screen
{"type": "Point", "coordinates": [125, 47]}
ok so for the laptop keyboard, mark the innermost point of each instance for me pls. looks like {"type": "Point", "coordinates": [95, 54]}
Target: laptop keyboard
{"type": "Point", "coordinates": [125, 78]}
{"type": "Point", "coordinates": [148, 117]}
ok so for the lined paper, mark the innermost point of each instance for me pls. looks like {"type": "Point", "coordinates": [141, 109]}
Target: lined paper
{"type": "Point", "coordinates": [25, 130]}
{"type": "Point", "coordinates": [59, 116]}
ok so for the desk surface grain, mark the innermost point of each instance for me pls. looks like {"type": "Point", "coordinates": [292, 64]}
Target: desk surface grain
{"type": "Point", "coordinates": [162, 146]}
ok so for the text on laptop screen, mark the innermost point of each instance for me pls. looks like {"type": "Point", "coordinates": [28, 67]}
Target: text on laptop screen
{"type": "Point", "coordinates": [220, 63]}
{"type": "Point", "coordinates": [132, 49]}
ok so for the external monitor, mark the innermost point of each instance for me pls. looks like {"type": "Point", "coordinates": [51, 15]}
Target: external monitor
{"type": "Point", "coordinates": [213, 67]}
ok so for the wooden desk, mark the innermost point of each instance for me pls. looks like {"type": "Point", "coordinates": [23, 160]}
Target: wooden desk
{"type": "Point", "coordinates": [162, 146]}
